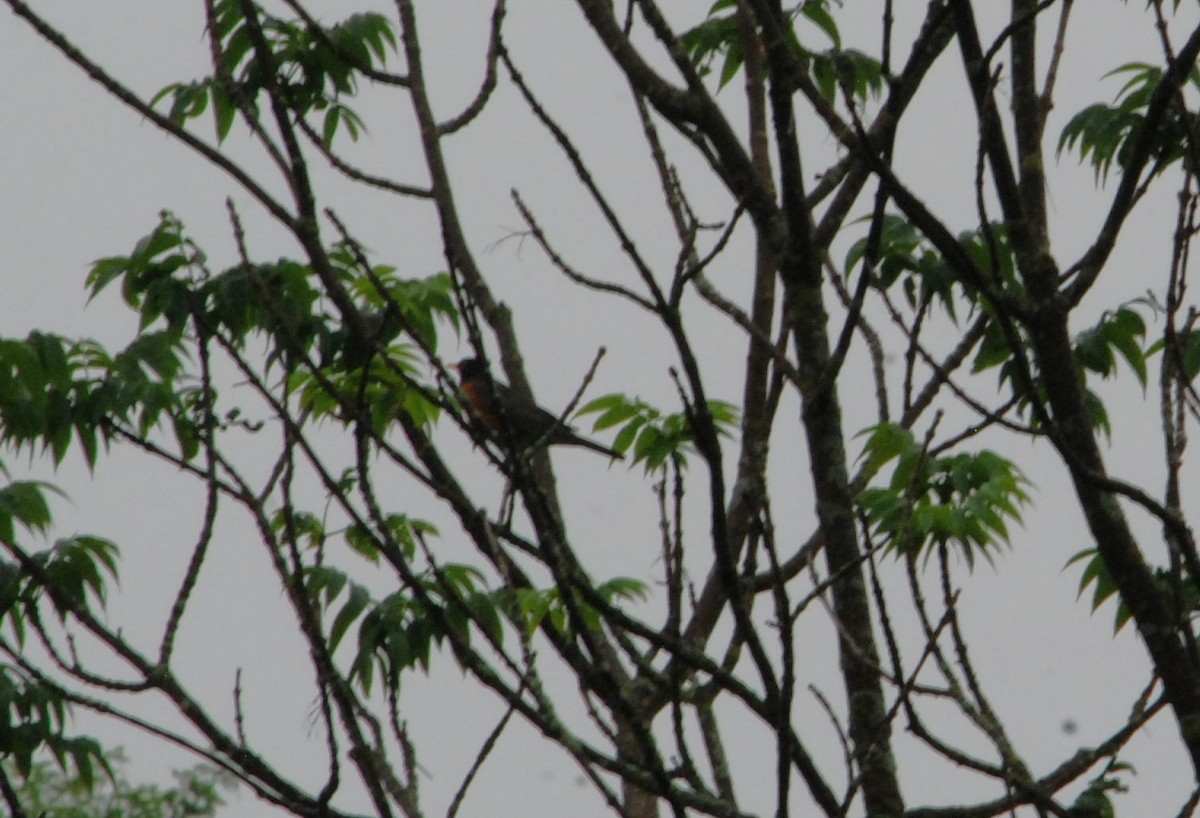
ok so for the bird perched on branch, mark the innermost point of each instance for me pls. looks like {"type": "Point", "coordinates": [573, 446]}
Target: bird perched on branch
{"type": "Point", "coordinates": [505, 414]}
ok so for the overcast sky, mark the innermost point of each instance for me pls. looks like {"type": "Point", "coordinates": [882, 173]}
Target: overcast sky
{"type": "Point", "coordinates": [81, 178]}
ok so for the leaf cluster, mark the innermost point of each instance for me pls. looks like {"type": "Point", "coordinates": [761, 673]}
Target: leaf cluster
{"type": "Point", "coordinates": [73, 573]}
{"type": "Point", "coordinates": [327, 360]}
{"type": "Point", "coordinates": [961, 499]}
{"type": "Point", "coordinates": [33, 721]}
{"type": "Point", "coordinates": [1095, 801]}
{"type": "Point", "coordinates": [308, 69]}
{"type": "Point", "coordinates": [1105, 135]}
{"type": "Point", "coordinates": [1183, 597]}
{"type": "Point", "coordinates": [900, 254]}
{"type": "Point", "coordinates": [72, 576]}
{"type": "Point", "coordinates": [534, 608]}
{"type": "Point", "coordinates": [654, 437]}
{"type": "Point", "coordinates": [834, 70]}
{"type": "Point", "coordinates": [398, 632]}
{"type": "Point", "coordinates": [53, 389]}
{"type": "Point", "coordinates": [1117, 335]}
{"type": "Point", "coordinates": [49, 791]}
{"type": "Point", "coordinates": [449, 604]}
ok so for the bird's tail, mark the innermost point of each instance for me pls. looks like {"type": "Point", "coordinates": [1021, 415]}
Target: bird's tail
{"type": "Point", "coordinates": [576, 440]}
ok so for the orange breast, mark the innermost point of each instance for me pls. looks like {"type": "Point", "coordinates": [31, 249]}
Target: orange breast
{"type": "Point", "coordinates": [481, 403]}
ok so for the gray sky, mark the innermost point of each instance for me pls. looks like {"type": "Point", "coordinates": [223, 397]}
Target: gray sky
{"type": "Point", "coordinates": [81, 178]}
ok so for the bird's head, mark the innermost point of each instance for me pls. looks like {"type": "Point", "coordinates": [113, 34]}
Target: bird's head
{"type": "Point", "coordinates": [469, 368]}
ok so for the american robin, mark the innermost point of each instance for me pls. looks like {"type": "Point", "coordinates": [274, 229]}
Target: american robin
{"type": "Point", "coordinates": [503, 412]}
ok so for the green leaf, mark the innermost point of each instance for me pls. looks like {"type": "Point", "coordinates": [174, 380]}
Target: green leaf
{"type": "Point", "coordinates": [363, 543]}
{"type": "Point", "coordinates": [356, 603]}
{"type": "Point", "coordinates": [1185, 352]}
{"type": "Point", "coordinates": [653, 437]}
{"type": "Point", "coordinates": [332, 116]}
{"type": "Point", "coordinates": [188, 100]}
{"type": "Point", "coordinates": [224, 111]}
{"type": "Point", "coordinates": [961, 499]}
{"type": "Point", "coordinates": [24, 502]}
{"type": "Point", "coordinates": [1096, 575]}
{"type": "Point", "coordinates": [1125, 333]}
{"type": "Point", "coordinates": [1106, 134]}
{"type": "Point", "coordinates": [885, 442]}
{"type": "Point", "coordinates": [816, 12]}
{"type": "Point", "coordinates": [532, 606]}
{"type": "Point", "coordinates": [623, 588]}
{"type": "Point", "coordinates": [848, 71]}
{"type": "Point", "coordinates": [75, 569]}
{"type": "Point", "coordinates": [717, 36]}
{"type": "Point", "coordinates": [1121, 332]}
